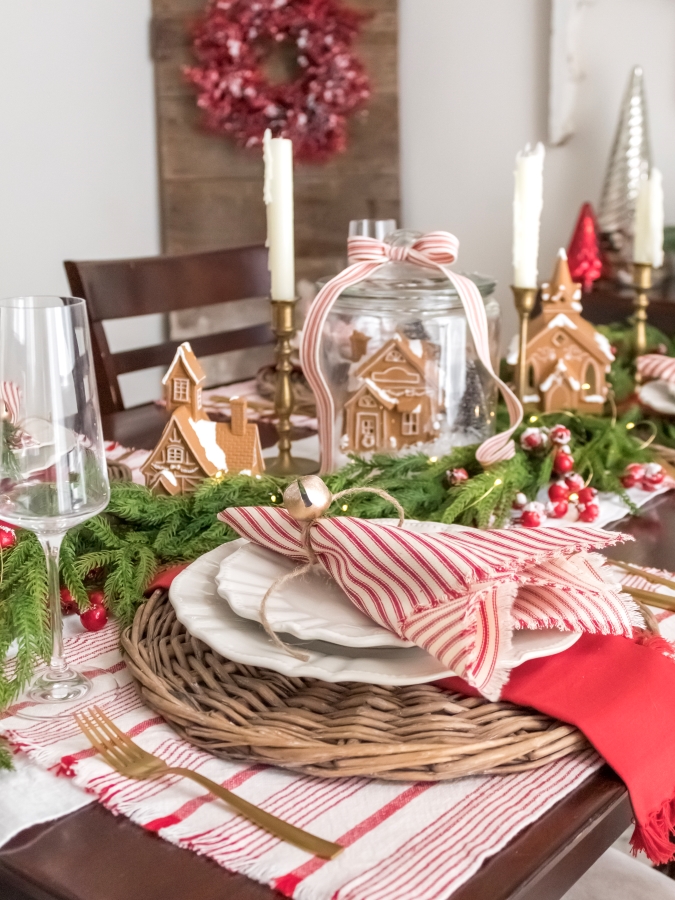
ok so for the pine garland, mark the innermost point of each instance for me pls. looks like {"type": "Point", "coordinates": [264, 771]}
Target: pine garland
{"type": "Point", "coordinates": [121, 550]}
{"type": "Point", "coordinates": [621, 335]}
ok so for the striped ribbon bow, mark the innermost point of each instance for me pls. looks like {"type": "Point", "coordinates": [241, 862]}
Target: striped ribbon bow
{"type": "Point", "coordinates": [10, 400]}
{"type": "Point", "coordinates": [457, 595]}
{"type": "Point", "coordinates": [656, 365]}
{"type": "Point", "coordinates": [435, 250]}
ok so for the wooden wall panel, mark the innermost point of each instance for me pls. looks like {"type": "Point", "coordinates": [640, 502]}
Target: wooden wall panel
{"type": "Point", "coordinates": [211, 191]}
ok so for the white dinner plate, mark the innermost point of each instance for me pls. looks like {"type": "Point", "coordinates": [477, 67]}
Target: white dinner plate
{"type": "Point", "coordinates": [657, 395]}
{"type": "Point", "coordinates": [312, 608]}
{"type": "Point", "coordinates": [205, 615]}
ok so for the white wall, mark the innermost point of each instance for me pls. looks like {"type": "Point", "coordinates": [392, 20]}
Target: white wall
{"type": "Point", "coordinates": [77, 143]}
{"type": "Point", "coordinates": [474, 84]}
{"type": "Point", "coordinates": [77, 128]}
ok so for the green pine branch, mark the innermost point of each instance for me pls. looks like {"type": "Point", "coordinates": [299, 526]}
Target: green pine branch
{"type": "Point", "coordinates": [5, 756]}
{"type": "Point", "coordinates": [140, 533]}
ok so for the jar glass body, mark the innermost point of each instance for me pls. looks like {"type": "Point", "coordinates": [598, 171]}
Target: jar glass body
{"type": "Point", "coordinates": [401, 364]}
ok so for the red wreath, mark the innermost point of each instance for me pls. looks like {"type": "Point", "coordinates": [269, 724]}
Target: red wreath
{"type": "Point", "coordinates": [231, 43]}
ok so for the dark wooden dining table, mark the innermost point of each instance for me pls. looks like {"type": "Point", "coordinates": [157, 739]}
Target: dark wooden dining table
{"type": "Point", "coordinates": [93, 855]}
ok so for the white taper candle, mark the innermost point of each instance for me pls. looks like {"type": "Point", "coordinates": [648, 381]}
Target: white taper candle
{"type": "Point", "coordinates": [278, 196]}
{"type": "Point", "coordinates": [527, 204]}
{"type": "Point", "coordinates": [649, 219]}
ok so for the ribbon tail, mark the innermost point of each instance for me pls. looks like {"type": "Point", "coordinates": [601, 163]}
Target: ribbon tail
{"type": "Point", "coordinates": [310, 352]}
{"type": "Point", "coordinates": [500, 447]}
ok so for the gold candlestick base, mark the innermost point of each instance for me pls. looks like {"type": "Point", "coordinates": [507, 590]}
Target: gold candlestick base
{"type": "Point", "coordinates": [525, 299]}
{"type": "Point", "coordinates": [283, 325]}
{"type": "Point", "coordinates": [642, 279]}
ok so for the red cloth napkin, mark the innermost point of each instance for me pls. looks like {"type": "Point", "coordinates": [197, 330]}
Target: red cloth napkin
{"type": "Point", "coordinates": [164, 578]}
{"type": "Point", "coordinates": [621, 695]}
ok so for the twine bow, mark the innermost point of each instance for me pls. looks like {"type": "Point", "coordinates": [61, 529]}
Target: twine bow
{"type": "Point", "coordinates": [312, 560]}
{"type": "Point", "coordinates": [435, 250]}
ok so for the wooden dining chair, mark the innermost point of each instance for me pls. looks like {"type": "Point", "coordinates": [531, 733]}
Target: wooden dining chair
{"type": "Point", "coordinates": [115, 289]}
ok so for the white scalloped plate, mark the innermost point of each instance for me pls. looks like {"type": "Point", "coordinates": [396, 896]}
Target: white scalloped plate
{"type": "Point", "coordinates": [198, 606]}
{"type": "Point", "coordinates": [312, 608]}
{"type": "Point", "coordinates": [658, 396]}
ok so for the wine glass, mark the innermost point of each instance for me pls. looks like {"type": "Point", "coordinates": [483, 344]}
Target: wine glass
{"type": "Point", "coordinates": [53, 472]}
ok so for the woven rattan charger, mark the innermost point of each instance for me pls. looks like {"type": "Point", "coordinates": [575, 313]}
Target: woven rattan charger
{"type": "Point", "coordinates": [416, 733]}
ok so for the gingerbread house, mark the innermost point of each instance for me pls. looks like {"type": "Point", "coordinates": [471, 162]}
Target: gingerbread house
{"type": "Point", "coordinates": [193, 447]}
{"type": "Point", "coordinates": [394, 405]}
{"type": "Point", "coordinates": [568, 360]}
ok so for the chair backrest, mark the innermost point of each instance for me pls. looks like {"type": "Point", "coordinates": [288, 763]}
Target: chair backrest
{"type": "Point", "coordinates": [114, 289]}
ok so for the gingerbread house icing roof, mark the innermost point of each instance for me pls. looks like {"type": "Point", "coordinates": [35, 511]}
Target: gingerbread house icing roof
{"type": "Point", "coordinates": [190, 363]}
{"type": "Point", "coordinates": [201, 437]}
{"type": "Point", "coordinates": [412, 351]}
{"type": "Point", "coordinates": [377, 393]}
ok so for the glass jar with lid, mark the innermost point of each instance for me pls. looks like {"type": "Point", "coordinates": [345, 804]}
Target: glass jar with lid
{"type": "Point", "coordinates": [400, 362]}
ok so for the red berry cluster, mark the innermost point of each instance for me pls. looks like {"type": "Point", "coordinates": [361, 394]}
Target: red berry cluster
{"type": "Point", "coordinates": [568, 491]}
{"type": "Point", "coordinates": [647, 477]}
{"type": "Point", "coordinates": [571, 490]}
{"type": "Point", "coordinates": [556, 440]}
{"type": "Point", "coordinates": [94, 618]}
{"type": "Point", "coordinates": [7, 536]}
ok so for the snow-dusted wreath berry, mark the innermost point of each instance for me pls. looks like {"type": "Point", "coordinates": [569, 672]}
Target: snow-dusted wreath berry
{"type": "Point", "coordinates": [457, 476]}
{"type": "Point", "coordinates": [648, 477]}
{"type": "Point", "coordinates": [231, 42]}
{"type": "Point", "coordinates": [534, 439]}
{"type": "Point", "coordinates": [560, 435]}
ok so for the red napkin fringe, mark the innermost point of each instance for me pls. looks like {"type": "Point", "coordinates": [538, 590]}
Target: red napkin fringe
{"type": "Point", "coordinates": [654, 641]}
{"type": "Point", "coordinates": [653, 836]}
{"type": "Point", "coordinates": [620, 694]}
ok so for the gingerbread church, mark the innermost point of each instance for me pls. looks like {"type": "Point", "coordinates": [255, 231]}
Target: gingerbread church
{"type": "Point", "coordinates": [395, 404]}
{"type": "Point", "coordinates": [192, 446]}
{"type": "Point", "coordinates": [568, 360]}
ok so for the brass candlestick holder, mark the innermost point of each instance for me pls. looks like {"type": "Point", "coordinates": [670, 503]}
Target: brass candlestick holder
{"type": "Point", "coordinates": [283, 326]}
{"type": "Point", "coordinates": [525, 299]}
{"type": "Point", "coordinates": [642, 279]}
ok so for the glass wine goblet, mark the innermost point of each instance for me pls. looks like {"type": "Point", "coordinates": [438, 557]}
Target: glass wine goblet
{"type": "Point", "coordinates": [53, 472]}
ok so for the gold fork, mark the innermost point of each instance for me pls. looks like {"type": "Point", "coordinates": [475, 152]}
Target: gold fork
{"type": "Point", "coordinates": [127, 758]}
{"type": "Point", "coordinates": [662, 601]}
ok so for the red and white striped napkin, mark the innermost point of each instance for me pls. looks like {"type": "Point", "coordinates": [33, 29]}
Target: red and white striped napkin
{"type": "Point", "coordinates": [402, 840]}
{"type": "Point", "coordinates": [656, 365]}
{"type": "Point", "coordinates": [459, 595]}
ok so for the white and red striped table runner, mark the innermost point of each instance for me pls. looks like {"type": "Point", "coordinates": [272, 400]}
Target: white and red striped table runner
{"type": "Point", "coordinates": [402, 840]}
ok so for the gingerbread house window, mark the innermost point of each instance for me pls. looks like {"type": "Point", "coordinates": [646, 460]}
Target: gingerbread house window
{"type": "Point", "coordinates": [175, 454]}
{"type": "Point", "coordinates": [394, 356]}
{"type": "Point", "coordinates": [590, 381]}
{"type": "Point", "coordinates": [181, 390]}
{"type": "Point", "coordinates": [199, 398]}
{"type": "Point", "coordinates": [410, 423]}
{"type": "Point", "coordinates": [559, 339]}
